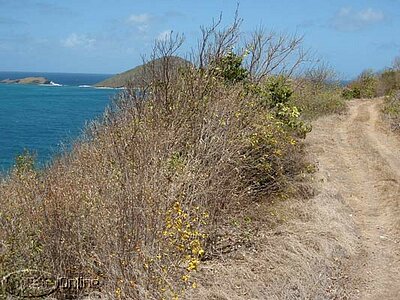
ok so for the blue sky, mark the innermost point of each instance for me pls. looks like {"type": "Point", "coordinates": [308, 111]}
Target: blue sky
{"type": "Point", "coordinates": [109, 36]}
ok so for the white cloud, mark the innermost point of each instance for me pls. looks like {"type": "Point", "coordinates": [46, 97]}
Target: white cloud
{"type": "Point", "coordinates": [369, 15]}
{"type": "Point", "coordinates": [143, 28]}
{"type": "Point", "coordinates": [139, 19]}
{"type": "Point", "coordinates": [165, 35]}
{"type": "Point", "coordinates": [348, 19]}
{"type": "Point", "coordinates": [78, 40]}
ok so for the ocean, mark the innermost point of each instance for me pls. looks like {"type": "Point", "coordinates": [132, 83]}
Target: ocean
{"type": "Point", "coordinates": [42, 118]}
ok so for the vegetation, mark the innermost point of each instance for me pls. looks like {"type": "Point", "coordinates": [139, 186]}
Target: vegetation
{"type": "Point", "coordinates": [139, 200]}
{"type": "Point", "coordinates": [389, 82]}
{"type": "Point", "coordinates": [386, 83]}
{"type": "Point", "coordinates": [318, 93]}
{"type": "Point", "coordinates": [139, 75]}
{"type": "Point", "coordinates": [392, 110]}
{"type": "Point", "coordinates": [370, 84]}
{"type": "Point", "coordinates": [365, 86]}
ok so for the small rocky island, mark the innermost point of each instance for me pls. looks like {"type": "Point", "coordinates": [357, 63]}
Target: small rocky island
{"type": "Point", "coordinates": [27, 80]}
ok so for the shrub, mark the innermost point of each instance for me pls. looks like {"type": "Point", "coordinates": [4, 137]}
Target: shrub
{"type": "Point", "coordinates": [369, 85]}
{"type": "Point", "coordinates": [229, 68]}
{"type": "Point", "coordinates": [25, 162]}
{"type": "Point", "coordinates": [275, 92]}
{"type": "Point", "coordinates": [138, 200]}
{"type": "Point", "coordinates": [317, 101]}
{"type": "Point", "coordinates": [392, 109]}
{"type": "Point", "coordinates": [388, 82]}
{"type": "Point", "coordinates": [349, 93]}
{"type": "Point", "coordinates": [365, 86]}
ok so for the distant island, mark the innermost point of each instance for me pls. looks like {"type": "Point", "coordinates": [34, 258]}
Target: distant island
{"type": "Point", "coordinates": [134, 77]}
{"type": "Point", "coordinates": [27, 80]}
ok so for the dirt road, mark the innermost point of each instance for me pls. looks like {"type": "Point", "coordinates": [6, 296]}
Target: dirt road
{"type": "Point", "coordinates": [361, 159]}
{"type": "Point", "coordinates": [342, 241]}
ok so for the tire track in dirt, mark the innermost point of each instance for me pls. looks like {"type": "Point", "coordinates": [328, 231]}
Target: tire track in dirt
{"type": "Point", "coordinates": [362, 161]}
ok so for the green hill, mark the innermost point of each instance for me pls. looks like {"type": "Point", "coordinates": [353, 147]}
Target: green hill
{"type": "Point", "coordinates": [140, 74]}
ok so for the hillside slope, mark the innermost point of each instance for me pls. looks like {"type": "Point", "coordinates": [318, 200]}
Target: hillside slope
{"type": "Point", "coordinates": [135, 76]}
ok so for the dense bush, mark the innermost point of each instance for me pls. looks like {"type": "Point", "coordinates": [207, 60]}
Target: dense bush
{"type": "Point", "coordinates": [369, 85]}
{"type": "Point", "coordinates": [388, 82]}
{"type": "Point", "coordinates": [135, 203]}
{"type": "Point", "coordinates": [392, 109]}
{"type": "Point", "coordinates": [365, 86]}
{"type": "Point", "coordinates": [138, 200]}
{"type": "Point", "coordinates": [318, 98]}
{"type": "Point", "coordinates": [229, 67]}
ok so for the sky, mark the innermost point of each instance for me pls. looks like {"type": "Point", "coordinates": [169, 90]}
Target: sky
{"type": "Point", "coordinates": [110, 36]}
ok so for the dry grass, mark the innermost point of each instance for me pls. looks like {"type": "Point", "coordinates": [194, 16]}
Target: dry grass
{"type": "Point", "coordinates": [300, 249]}
{"type": "Point", "coordinates": [103, 209]}
{"type": "Point", "coordinates": [111, 208]}
{"type": "Point", "coordinates": [391, 110]}
{"type": "Point", "coordinates": [143, 197]}
{"type": "Point", "coordinates": [316, 100]}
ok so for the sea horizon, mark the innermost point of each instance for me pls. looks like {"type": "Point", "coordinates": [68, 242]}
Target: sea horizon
{"type": "Point", "coordinates": [46, 119]}
{"type": "Point", "coordinates": [64, 78]}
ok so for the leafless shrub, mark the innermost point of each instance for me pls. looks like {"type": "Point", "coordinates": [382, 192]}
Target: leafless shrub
{"type": "Point", "coordinates": [139, 199]}
{"type": "Point", "coordinates": [321, 75]}
{"type": "Point", "coordinates": [396, 63]}
{"type": "Point", "coordinates": [215, 42]}
{"type": "Point", "coordinates": [272, 53]}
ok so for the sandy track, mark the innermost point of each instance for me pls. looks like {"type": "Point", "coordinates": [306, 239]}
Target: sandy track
{"type": "Point", "coordinates": [361, 160]}
{"type": "Point", "coordinates": [343, 242]}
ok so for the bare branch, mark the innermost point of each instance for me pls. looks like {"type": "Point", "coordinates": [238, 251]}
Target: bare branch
{"type": "Point", "coordinates": [274, 54]}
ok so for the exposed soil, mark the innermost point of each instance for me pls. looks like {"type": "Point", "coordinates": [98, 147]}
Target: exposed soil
{"type": "Point", "coordinates": [361, 158]}
{"type": "Point", "coordinates": [341, 243]}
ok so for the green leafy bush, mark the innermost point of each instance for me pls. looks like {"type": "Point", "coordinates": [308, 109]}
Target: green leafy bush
{"type": "Point", "coordinates": [25, 163]}
{"type": "Point", "coordinates": [349, 93]}
{"type": "Point", "coordinates": [229, 67]}
{"type": "Point", "coordinates": [392, 109]}
{"type": "Point", "coordinates": [365, 86]}
{"type": "Point", "coordinates": [275, 91]}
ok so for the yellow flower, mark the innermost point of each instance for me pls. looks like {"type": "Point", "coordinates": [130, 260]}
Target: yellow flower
{"type": "Point", "coordinates": [118, 293]}
{"type": "Point", "coordinates": [193, 265]}
{"type": "Point", "coordinates": [185, 278]}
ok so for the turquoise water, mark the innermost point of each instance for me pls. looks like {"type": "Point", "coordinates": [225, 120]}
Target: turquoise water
{"type": "Point", "coordinates": [41, 118]}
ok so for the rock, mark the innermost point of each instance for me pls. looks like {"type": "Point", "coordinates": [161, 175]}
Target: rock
{"type": "Point", "coordinates": [27, 80]}
{"type": "Point", "coordinates": [7, 81]}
